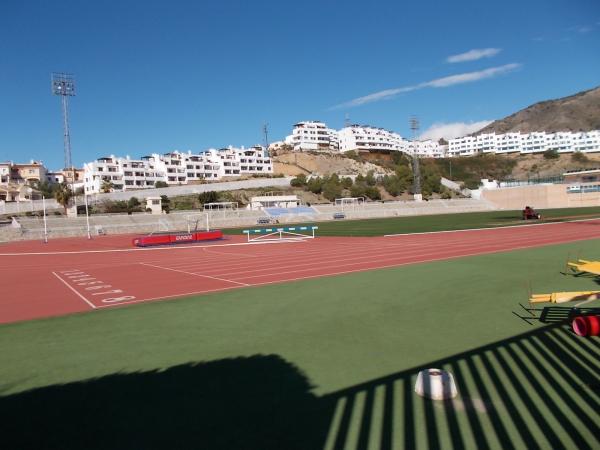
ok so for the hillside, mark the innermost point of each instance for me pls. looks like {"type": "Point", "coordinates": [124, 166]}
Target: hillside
{"type": "Point", "coordinates": [579, 112]}
{"type": "Point", "coordinates": [295, 163]}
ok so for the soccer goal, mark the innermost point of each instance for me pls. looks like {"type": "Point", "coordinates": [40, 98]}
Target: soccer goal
{"type": "Point", "coordinates": [197, 222]}
{"type": "Point", "coordinates": [221, 209]}
{"type": "Point", "coordinates": [352, 203]}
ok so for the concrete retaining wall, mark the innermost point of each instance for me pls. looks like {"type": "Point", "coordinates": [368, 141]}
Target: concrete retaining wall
{"type": "Point", "coordinates": [540, 196]}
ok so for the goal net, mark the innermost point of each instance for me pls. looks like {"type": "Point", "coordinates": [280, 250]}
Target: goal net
{"type": "Point", "coordinates": [349, 202]}
{"type": "Point", "coordinates": [197, 222]}
{"type": "Point", "coordinates": [221, 209]}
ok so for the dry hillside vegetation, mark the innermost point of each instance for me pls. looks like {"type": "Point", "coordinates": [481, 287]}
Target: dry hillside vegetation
{"type": "Point", "coordinates": [579, 112]}
{"type": "Point", "coordinates": [295, 163]}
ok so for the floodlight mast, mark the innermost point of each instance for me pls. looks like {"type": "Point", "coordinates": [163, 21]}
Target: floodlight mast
{"type": "Point", "coordinates": [414, 126]}
{"type": "Point", "coordinates": [266, 135]}
{"type": "Point", "coordinates": [63, 85]}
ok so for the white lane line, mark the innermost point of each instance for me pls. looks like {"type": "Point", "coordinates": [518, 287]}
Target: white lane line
{"type": "Point", "coordinates": [206, 250]}
{"type": "Point", "coordinates": [167, 297]}
{"type": "Point", "coordinates": [195, 274]}
{"type": "Point", "coordinates": [324, 275]}
{"type": "Point", "coordinates": [501, 227]}
{"type": "Point", "coordinates": [146, 249]}
{"type": "Point", "coordinates": [73, 289]}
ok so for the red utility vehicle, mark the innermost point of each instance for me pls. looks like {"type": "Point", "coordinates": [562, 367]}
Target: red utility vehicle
{"type": "Point", "coordinates": [530, 213]}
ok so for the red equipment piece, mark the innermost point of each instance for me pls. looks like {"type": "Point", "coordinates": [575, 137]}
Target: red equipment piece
{"type": "Point", "coordinates": [530, 213]}
{"type": "Point", "coordinates": [176, 238]}
{"type": "Point", "coordinates": [586, 325]}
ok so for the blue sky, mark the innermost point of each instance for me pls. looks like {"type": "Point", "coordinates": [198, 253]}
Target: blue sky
{"type": "Point", "coordinates": [157, 76]}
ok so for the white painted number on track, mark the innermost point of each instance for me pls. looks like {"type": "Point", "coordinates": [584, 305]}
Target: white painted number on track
{"type": "Point", "coordinates": [91, 285]}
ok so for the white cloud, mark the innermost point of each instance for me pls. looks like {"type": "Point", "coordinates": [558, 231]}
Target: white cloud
{"type": "Point", "coordinates": [467, 77]}
{"type": "Point", "coordinates": [381, 95]}
{"type": "Point", "coordinates": [473, 55]}
{"type": "Point", "coordinates": [582, 29]}
{"type": "Point", "coordinates": [452, 130]}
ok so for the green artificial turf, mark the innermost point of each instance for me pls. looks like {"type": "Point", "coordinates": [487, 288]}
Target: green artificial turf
{"type": "Point", "coordinates": [313, 364]}
{"type": "Point", "coordinates": [441, 222]}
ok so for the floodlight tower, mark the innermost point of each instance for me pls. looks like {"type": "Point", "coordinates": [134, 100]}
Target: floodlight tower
{"type": "Point", "coordinates": [414, 126]}
{"type": "Point", "coordinates": [266, 134]}
{"type": "Point", "coordinates": [63, 85]}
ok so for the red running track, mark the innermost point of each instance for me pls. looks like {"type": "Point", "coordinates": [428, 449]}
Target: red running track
{"type": "Point", "coordinates": [75, 275]}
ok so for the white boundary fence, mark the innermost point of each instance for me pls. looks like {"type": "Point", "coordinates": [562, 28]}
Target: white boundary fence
{"type": "Point", "coordinates": [58, 226]}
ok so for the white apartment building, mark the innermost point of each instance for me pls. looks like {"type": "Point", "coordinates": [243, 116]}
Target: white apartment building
{"type": "Point", "coordinates": [525, 143]}
{"type": "Point", "coordinates": [252, 161]}
{"type": "Point", "coordinates": [508, 143]}
{"type": "Point", "coordinates": [367, 138]}
{"type": "Point", "coordinates": [312, 135]}
{"type": "Point", "coordinates": [5, 172]}
{"type": "Point", "coordinates": [426, 149]}
{"type": "Point", "coordinates": [586, 141]}
{"type": "Point", "coordinates": [175, 168]}
{"type": "Point", "coordinates": [533, 142]}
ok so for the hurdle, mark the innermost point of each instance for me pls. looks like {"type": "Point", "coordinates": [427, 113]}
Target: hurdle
{"type": "Point", "coordinates": [281, 233]}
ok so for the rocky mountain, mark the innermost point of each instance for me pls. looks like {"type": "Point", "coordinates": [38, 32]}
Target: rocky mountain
{"type": "Point", "coordinates": [579, 112]}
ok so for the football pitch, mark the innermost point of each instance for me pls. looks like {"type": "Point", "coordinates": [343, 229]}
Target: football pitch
{"type": "Point", "coordinates": [444, 222]}
{"type": "Point", "coordinates": [319, 363]}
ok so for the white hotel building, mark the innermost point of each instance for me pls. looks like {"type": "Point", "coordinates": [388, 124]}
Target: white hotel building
{"type": "Point", "coordinates": [175, 168]}
{"type": "Point", "coordinates": [525, 143]}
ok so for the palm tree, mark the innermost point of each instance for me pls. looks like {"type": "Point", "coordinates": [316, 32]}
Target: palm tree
{"type": "Point", "coordinates": [107, 186]}
{"type": "Point", "coordinates": [63, 195]}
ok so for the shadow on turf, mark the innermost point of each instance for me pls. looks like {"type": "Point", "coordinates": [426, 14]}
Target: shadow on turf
{"type": "Point", "coordinates": [553, 314]}
{"type": "Point", "coordinates": [259, 402]}
{"type": "Point", "coordinates": [537, 390]}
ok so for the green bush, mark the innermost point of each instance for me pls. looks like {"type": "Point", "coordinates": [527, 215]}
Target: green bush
{"type": "Point", "coordinates": [315, 185]}
{"type": "Point", "coordinates": [299, 181]}
{"type": "Point", "coordinates": [373, 193]}
{"type": "Point", "coordinates": [579, 157]}
{"type": "Point", "coordinates": [332, 190]}
{"type": "Point", "coordinates": [357, 190]}
{"type": "Point", "coordinates": [370, 178]}
{"type": "Point", "coordinates": [161, 184]}
{"type": "Point", "coordinates": [133, 203]}
{"type": "Point", "coordinates": [208, 197]}
{"type": "Point", "coordinates": [351, 154]}
{"type": "Point", "coordinates": [551, 153]}
{"type": "Point", "coordinates": [165, 203]}
{"type": "Point", "coordinates": [393, 185]}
